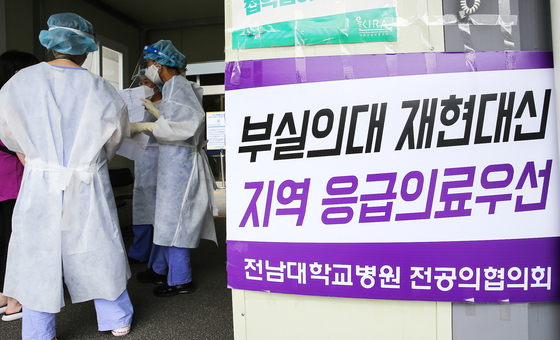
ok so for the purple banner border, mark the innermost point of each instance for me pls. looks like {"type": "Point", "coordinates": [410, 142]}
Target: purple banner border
{"type": "Point", "coordinates": [521, 253]}
{"type": "Point", "coordinates": [286, 71]}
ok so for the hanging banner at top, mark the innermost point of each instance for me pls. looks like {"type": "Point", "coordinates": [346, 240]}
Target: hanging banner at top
{"type": "Point", "coordinates": [270, 23]}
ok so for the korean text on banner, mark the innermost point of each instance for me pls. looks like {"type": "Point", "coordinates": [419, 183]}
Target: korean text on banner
{"type": "Point", "coordinates": [434, 187]}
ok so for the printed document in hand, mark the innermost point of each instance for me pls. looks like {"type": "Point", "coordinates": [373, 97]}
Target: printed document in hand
{"type": "Point", "coordinates": [132, 99]}
{"type": "Point", "coordinates": [133, 148]}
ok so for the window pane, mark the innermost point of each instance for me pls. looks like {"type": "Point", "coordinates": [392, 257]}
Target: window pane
{"type": "Point", "coordinates": [112, 67]}
{"type": "Point", "coordinates": [92, 62]}
{"type": "Point", "coordinates": [213, 103]}
{"type": "Point", "coordinates": [212, 79]}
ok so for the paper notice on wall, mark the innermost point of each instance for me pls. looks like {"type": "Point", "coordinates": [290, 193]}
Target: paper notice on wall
{"type": "Point", "coordinates": [216, 130]}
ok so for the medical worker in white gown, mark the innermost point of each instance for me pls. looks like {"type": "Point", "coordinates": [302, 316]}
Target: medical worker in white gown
{"type": "Point", "coordinates": [68, 123]}
{"type": "Point", "coordinates": [145, 180]}
{"type": "Point", "coordinates": [185, 203]}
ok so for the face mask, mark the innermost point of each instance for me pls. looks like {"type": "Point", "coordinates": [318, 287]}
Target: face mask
{"type": "Point", "coordinates": [152, 74]}
{"type": "Point", "coordinates": [148, 92]}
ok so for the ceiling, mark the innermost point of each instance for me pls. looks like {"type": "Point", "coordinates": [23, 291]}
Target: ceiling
{"type": "Point", "coordinates": [149, 14]}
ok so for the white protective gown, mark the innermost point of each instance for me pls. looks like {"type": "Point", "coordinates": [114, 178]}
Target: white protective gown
{"type": "Point", "coordinates": [145, 179]}
{"type": "Point", "coordinates": [69, 123]}
{"type": "Point", "coordinates": [185, 203]}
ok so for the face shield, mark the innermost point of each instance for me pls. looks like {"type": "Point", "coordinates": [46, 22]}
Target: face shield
{"type": "Point", "coordinates": [143, 66]}
{"type": "Point", "coordinates": [153, 58]}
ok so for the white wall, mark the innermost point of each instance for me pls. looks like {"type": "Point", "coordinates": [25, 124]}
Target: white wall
{"type": "Point", "coordinates": [259, 315]}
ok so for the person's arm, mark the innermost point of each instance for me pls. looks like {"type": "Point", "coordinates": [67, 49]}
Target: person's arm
{"type": "Point", "coordinates": [186, 116]}
{"type": "Point", "coordinates": [170, 131]}
{"type": "Point", "coordinates": [150, 107]}
{"type": "Point", "coordinates": [120, 133]}
{"type": "Point", "coordinates": [139, 127]}
{"type": "Point", "coordinates": [21, 158]}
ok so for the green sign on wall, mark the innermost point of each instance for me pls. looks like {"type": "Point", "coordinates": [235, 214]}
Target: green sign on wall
{"type": "Point", "coordinates": [372, 25]}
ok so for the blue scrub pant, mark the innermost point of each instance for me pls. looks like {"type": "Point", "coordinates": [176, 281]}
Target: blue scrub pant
{"type": "Point", "coordinates": [173, 261]}
{"type": "Point", "coordinates": [140, 249]}
{"type": "Point", "coordinates": [110, 315]}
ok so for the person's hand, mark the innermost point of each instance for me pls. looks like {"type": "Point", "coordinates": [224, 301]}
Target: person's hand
{"type": "Point", "coordinates": [150, 107]}
{"type": "Point", "coordinates": [139, 127]}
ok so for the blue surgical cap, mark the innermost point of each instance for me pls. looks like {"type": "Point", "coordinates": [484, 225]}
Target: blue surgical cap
{"type": "Point", "coordinates": [143, 72]}
{"type": "Point", "coordinates": [166, 54]}
{"type": "Point", "coordinates": [68, 33]}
